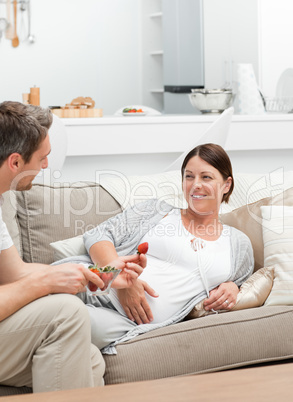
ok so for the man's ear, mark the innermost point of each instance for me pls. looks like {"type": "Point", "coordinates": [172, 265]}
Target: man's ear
{"type": "Point", "coordinates": [227, 185]}
{"type": "Point", "coordinates": [15, 162]}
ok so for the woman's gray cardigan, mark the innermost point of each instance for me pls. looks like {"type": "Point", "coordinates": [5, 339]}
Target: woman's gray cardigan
{"type": "Point", "coordinates": [126, 230]}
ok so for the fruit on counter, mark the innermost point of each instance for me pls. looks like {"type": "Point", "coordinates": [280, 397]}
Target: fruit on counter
{"type": "Point", "coordinates": [105, 273]}
{"type": "Point", "coordinates": [132, 110]}
{"type": "Point", "coordinates": [143, 248]}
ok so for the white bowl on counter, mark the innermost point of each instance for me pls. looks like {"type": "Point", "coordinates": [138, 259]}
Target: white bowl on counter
{"type": "Point", "coordinates": [211, 100]}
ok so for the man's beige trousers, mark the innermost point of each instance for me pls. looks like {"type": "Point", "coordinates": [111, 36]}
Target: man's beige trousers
{"type": "Point", "coordinates": [47, 346]}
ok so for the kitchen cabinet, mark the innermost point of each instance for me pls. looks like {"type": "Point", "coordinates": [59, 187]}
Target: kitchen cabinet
{"type": "Point", "coordinates": [183, 67]}
{"type": "Point", "coordinates": [172, 46]}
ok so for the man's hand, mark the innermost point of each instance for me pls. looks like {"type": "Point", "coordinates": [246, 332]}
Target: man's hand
{"type": "Point", "coordinates": [134, 302]}
{"type": "Point", "coordinates": [223, 297]}
{"type": "Point", "coordinates": [73, 278]}
{"type": "Point", "coordinates": [67, 278]}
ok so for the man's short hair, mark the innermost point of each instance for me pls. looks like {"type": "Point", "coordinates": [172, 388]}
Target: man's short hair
{"type": "Point", "coordinates": [22, 129]}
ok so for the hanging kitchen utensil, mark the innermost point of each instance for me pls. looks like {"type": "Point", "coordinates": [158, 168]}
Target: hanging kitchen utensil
{"type": "Point", "coordinates": [15, 40]}
{"type": "Point", "coordinates": [3, 26]}
{"type": "Point", "coordinates": [9, 30]}
{"type": "Point", "coordinates": [31, 38]}
{"type": "Point", "coordinates": [22, 32]}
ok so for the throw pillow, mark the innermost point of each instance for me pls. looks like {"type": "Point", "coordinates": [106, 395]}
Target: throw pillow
{"type": "Point", "coordinates": [68, 248]}
{"type": "Point", "coordinates": [48, 214]}
{"type": "Point", "coordinates": [248, 219]}
{"type": "Point", "coordinates": [278, 250]}
{"type": "Point", "coordinates": [253, 293]}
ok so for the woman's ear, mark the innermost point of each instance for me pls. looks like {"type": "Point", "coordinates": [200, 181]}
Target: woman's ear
{"type": "Point", "coordinates": [227, 185]}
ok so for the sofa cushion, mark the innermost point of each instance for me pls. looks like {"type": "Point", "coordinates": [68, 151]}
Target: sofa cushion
{"type": "Point", "coordinates": [9, 215]}
{"type": "Point", "coordinates": [248, 219]}
{"type": "Point", "coordinates": [253, 293]}
{"type": "Point", "coordinates": [47, 214]}
{"type": "Point", "coordinates": [211, 343]}
{"type": "Point", "coordinates": [278, 250]}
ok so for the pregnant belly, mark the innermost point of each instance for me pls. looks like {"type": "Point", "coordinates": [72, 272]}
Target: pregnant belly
{"type": "Point", "coordinates": [174, 292]}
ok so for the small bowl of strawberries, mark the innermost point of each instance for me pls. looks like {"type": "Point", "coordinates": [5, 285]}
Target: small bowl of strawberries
{"type": "Point", "coordinates": [108, 274]}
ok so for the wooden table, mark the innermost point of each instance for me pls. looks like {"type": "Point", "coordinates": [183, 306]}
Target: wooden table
{"type": "Point", "coordinates": [257, 384]}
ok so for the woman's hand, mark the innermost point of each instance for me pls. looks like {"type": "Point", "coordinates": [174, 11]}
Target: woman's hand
{"type": "Point", "coordinates": [132, 266]}
{"type": "Point", "coordinates": [134, 302]}
{"type": "Point", "coordinates": [223, 297]}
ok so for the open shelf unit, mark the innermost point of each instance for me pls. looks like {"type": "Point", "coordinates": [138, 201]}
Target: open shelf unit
{"type": "Point", "coordinates": [152, 54]}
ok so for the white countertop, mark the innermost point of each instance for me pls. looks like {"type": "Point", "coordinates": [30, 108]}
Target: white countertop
{"type": "Point", "coordinates": [120, 135]}
{"type": "Point", "coordinates": [173, 118]}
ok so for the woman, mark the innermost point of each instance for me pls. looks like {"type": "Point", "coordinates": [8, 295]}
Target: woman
{"type": "Point", "coordinates": [192, 256]}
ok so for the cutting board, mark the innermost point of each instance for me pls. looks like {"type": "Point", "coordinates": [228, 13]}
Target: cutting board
{"type": "Point", "coordinates": [68, 113]}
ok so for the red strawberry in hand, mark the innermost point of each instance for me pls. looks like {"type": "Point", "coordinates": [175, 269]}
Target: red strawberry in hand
{"type": "Point", "coordinates": [92, 287]}
{"type": "Point", "coordinates": [143, 248]}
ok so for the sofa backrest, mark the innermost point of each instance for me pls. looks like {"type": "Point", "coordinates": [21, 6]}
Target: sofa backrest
{"type": "Point", "coordinates": [46, 214]}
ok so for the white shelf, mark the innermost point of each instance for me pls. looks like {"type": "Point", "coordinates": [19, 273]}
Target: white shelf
{"type": "Point", "coordinates": [157, 91]}
{"type": "Point", "coordinates": [156, 15]}
{"type": "Point", "coordinates": [157, 53]}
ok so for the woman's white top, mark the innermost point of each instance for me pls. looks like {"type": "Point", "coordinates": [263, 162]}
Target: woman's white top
{"type": "Point", "coordinates": [178, 269]}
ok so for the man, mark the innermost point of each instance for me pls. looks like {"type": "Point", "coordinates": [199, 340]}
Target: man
{"type": "Point", "coordinates": [44, 329]}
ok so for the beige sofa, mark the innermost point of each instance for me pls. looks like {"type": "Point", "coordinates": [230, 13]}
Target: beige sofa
{"type": "Point", "coordinates": [234, 339]}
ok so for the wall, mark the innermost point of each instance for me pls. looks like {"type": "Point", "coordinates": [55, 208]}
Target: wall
{"type": "Point", "coordinates": [276, 32]}
{"type": "Point", "coordinates": [100, 48]}
{"type": "Point", "coordinates": [82, 48]}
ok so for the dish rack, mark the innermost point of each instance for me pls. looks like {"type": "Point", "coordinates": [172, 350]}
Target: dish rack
{"type": "Point", "coordinates": [279, 105]}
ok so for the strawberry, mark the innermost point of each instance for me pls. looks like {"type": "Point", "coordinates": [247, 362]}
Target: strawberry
{"type": "Point", "coordinates": [92, 287]}
{"type": "Point", "coordinates": [143, 248]}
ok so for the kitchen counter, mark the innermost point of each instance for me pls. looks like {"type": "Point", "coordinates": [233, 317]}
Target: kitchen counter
{"type": "Point", "coordinates": [148, 144]}
{"type": "Point", "coordinates": [111, 135]}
